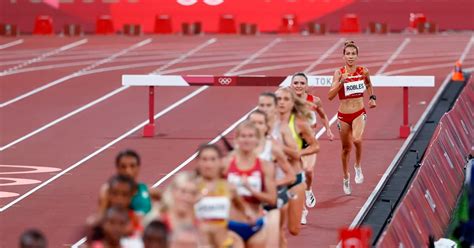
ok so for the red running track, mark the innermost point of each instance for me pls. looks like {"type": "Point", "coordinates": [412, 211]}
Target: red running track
{"type": "Point", "coordinates": [61, 206]}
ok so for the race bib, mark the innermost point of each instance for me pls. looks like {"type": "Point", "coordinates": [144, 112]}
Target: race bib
{"type": "Point", "coordinates": [253, 180]}
{"type": "Point", "coordinates": [356, 87]}
{"type": "Point", "coordinates": [212, 207]}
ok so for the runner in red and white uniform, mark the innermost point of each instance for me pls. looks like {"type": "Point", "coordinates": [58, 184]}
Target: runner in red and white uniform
{"type": "Point", "coordinates": [299, 84]}
{"type": "Point", "coordinates": [254, 180]}
{"type": "Point", "coordinates": [271, 150]}
{"type": "Point", "coordinates": [349, 83]}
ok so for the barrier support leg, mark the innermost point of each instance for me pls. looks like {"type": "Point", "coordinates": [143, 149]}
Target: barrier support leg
{"type": "Point", "coordinates": [405, 127]}
{"type": "Point", "coordinates": [149, 129]}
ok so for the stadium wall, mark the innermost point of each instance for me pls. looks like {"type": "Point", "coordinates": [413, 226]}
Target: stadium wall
{"type": "Point", "coordinates": [448, 14]}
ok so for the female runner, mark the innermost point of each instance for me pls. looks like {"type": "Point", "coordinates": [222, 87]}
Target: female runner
{"type": "Point", "coordinates": [299, 83]}
{"type": "Point", "coordinates": [217, 198]}
{"type": "Point", "coordinates": [267, 102]}
{"type": "Point", "coordinates": [293, 111]}
{"type": "Point", "coordinates": [178, 212]}
{"type": "Point", "coordinates": [349, 83]}
{"type": "Point", "coordinates": [271, 151]}
{"type": "Point", "coordinates": [254, 181]}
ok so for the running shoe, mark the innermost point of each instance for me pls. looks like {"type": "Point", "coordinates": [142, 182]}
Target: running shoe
{"type": "Point", "coordinates": [346, 186]}
{"type": "Point", "coordinates": [359, 177]}
{"type": "Point", "coordinates": [303, 217]}
{"type": "Point", "coordinates": [310, 199]}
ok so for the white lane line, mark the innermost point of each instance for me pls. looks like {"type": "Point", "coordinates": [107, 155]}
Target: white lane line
{"type": "Point", "coordinates": [194, 67]}
{"type": "Point", "coordinates": [75, 74]}
{"type": "Point", "coordinates": [324, 56]}
{"type": "Point", "coordinates": [323, 129]}
{"type": "Point", "coordinates": [10, 44]}
{"type": "Point", "coordinates": [395, 54]}
{"type": "Point", "coordinates": [92, 57]}
{"type": "Point", "coordinates": [62, 118]}
{"type": "Point", "coordinates": [254, 56]}
{"type": "Point", "coordinates": [222, 57]}
{"type": "Point", "coordinates": [103, 148]}
{"type": "Point", "coordinates": [97, 101]}
{"type": "Point", "coordinates": [82, 62]}
{"type": "Point", "coordinates": [362, 212]}
{"type": "Point", "coordinates": [79, 243]}
{"type": "Point", "coordinates": [298, 64]}
{"type": "Point", "coordinates": [43, 56]}
{"type": "Point", "coordinates": [114, 56]}
{"type": "Point", "coordinates": [420, 68]}
{"type": "Point", "coordinates": [184, 56]}
{"type": "Point", "coordinates": [466, 49]}
{"type": "Point", "coordinates": [272, 67]}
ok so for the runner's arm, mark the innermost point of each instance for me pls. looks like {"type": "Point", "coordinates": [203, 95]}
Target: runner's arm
{"type": "Point", "coordinates": [336, 85]}
{"type": "Point", "coordinates": [268, 196]}
{"type": "Point", "coordinates": [370, 89]}
{"type": "Point", "coordinates": [239, 204]}
{"type": "Point", "coordinates": [290, 147]}
{"type": "Point", "coordinates": [308, 135]}
{"type": "Point", "coordinates": [322, 114]}
{"type": "Point", "coordinates": [282, 162]}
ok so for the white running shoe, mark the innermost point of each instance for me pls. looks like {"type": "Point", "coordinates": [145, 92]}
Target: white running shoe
{"type": "Point", "coordinates": [359, 177]}
{"type": "Point", "coordinates": [310, 199]}
{"type": "Point", "coordinates": [346, 185]}
{"type": "Point", "coordinates": [303, 216]}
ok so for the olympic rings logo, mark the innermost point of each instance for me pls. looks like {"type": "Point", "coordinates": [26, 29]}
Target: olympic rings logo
{"type": "Point", "coordinates": [192, 2]}
{"type": "Point", "coordinates": [224, 80]}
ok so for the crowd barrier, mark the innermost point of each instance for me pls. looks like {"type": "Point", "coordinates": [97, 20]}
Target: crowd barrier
{"type": "Point", "coordinates": [429, 202]}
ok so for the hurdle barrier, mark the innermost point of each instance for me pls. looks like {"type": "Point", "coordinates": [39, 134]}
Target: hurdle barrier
{"type": "Point", "coordinates": [313, 81]}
